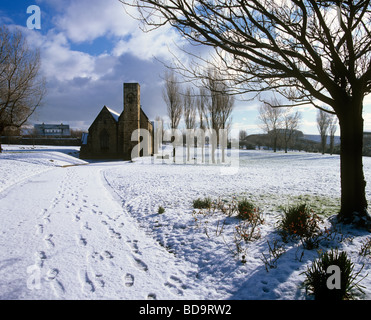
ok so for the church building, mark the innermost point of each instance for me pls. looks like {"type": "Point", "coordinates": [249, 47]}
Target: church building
{"type": "Point", "coordinates": [120, 136]}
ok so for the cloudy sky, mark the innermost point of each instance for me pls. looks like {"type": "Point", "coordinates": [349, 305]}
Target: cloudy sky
{"type": "Point", "coordinates": [90, 48]}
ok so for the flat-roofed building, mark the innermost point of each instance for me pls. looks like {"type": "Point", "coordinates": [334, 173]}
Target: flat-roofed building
{"type": "Point", "coordinates": [52, 130]}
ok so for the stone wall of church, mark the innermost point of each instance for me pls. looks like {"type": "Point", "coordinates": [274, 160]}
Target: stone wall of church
{"type": "Point", "coordinates": [130, 120]}
{"type": "Point", "coordinates": [102, 139]}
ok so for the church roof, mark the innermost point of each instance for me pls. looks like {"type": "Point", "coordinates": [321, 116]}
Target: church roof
{"type": "Point", "coordinates": [114, 114]}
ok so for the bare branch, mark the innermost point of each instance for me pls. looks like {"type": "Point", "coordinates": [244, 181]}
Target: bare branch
{"type": "Point", "coordinates": [21, 87]}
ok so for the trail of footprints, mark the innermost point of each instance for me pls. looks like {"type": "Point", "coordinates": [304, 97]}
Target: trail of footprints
{"type": "Point", "coordinates": [89, 276]}
{"type": "Point", "coordinates": [49, 274]}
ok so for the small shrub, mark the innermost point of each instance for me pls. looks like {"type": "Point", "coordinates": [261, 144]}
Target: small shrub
{"type": "Point", "coordinates": [249, 227]}
{"type": "Point", "coordinates": [202, 203]}
{"type": "Point", "coordinates": [160, 210]}
{"type": "Point", "coordinates": [226, 207]}
{"type": "Point", "coordinates": [247, 232]}
{"type": "Point", "coordinates": [299, 221]}
{"type": "Point", "coordinates": [246, 210]}
{"type": "Point", "coordinates": [317, 277]}
{"type": "Point", "coordinates": [366, 248]}
{"type": "Point", "coordinates": [275, 251]}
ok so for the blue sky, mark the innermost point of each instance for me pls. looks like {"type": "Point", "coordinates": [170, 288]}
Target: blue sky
{"type": "Point", "coordinates": [89, 48]}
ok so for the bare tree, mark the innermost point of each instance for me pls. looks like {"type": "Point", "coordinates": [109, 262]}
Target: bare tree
{"type": "Point", "coordinates": [311, 51]}
{"type": "Point", "coordinates": [271, 119]}
{"type": "Point", "coordinates": [189, 113]}
{"type": "Point", "coordinates": [290, 125]}
{"type": "Point", "coordinates": [172, 97]}
{"type": "Point", "coordinates": [202, 114]}
{"type": "Point", "coordinates": [219, 110]}
{"type": "Point", "coordinates": [242, 134]}
{"type": "Point", "coordinates": [226, 104]}
{"type": "Point", "coordinates": [323, 122]}
{"type": "Point", "coordinates": [21, 86]}
{"type": "Point", "coordinates": [159, 133]}
{"type": "Point", "coordinates": [212, 111]}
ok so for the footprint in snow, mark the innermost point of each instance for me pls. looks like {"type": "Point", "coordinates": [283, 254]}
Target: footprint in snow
{"type": "Point", "coordinates": [173, 288]}
{"type": "Point", "coordinates": [40, 257]}
{"type": "Point", "coordinates": [48, 240]}
{"type": "Point", "coordinates": [39, 229]}
{"type": "Point", "coordinates": [82, 241]}
{"type": "Point", "coordinates": [86, 284]}
{"type": "Point", "coordinates": [86, 226]}
{"type": "Point", "coordinates": [99, 280]}
{"type": "Point", "coordinates": [44, 212]}
{"type": "Point", "coordinates": [107, 255]}
{"type": "Point", "coordinates": [173, 284]}
{"type": "Point", "coordinates": [96, 256]}
{"type": "Point", "coordinates": [152, 296]}
{"type": "Point", "coordinates": [129, 280]}
{"type": "Point", "coordinates": [57, 288]}
{"type": "Point", "coordinates": [133, 245]}
{"type": "Point", "coordinates": [52, 274]}
{"type": "Point", "coordinates": [140, 264]}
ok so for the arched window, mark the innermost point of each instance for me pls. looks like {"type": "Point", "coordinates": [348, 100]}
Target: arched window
{"type": "Point", "coordinates": [104, 140]}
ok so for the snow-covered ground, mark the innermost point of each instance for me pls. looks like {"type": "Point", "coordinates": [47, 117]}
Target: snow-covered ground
{"type": "Point", "coordinates": [77, 230]}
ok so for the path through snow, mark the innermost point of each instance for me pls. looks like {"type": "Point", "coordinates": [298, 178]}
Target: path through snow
{"type": "Point", "coordinates": [64, 227]}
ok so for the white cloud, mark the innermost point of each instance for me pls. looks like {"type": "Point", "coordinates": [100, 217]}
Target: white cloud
{"type": "Point", "coordinates": [62, 63]}
{"type": "Point", "coordinates": [86, 20]}
{"type": "Point", "coordinates": [158, 43]}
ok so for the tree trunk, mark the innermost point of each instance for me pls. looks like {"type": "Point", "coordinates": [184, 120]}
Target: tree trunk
{"type": "Point", "coordinates": [353, 197]}
{"type": "Point", "coordinates": [323, 143]}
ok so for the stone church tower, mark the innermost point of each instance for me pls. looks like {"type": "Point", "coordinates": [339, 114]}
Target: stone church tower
{"type": "Point", "coordinates": [118, 136]}
{"type": "Point", "coordinates": [129, 121]}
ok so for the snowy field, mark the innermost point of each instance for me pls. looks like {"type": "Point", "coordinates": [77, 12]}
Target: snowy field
{"type": "Point", "coordinates": [77, 230]}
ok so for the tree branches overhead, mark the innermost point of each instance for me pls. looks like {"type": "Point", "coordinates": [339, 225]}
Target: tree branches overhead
{"type": "Point", "coordinates": [306, 50]}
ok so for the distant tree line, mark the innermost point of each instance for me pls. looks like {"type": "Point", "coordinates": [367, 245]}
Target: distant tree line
{"type": "Point", "coordinates": [299, 143]}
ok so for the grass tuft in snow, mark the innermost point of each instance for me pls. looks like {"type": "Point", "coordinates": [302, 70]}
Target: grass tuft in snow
{"type": "Point", "coordinates": [246, 210]}
{"type": "Point", "coordinates": [299, 221]}
{"type": "Point", "coordinates": [202, 203]}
